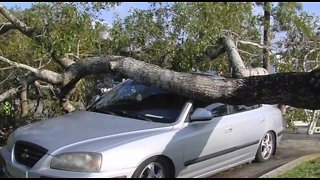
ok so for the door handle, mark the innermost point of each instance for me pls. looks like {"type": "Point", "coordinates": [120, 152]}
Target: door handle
{"type": "Point", "coordinates": [262, 120]}
{"type": "Point", "coordinates": [228, 129]}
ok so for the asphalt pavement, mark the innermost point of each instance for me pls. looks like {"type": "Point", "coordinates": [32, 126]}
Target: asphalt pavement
{"type": "Point", "coordinates": [292, 149]}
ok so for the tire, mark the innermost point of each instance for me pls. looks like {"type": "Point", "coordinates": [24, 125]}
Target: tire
{"type": "Point", "coordinates": [154, 167]}
{"type": "Point", "coordinates": [266, 148]}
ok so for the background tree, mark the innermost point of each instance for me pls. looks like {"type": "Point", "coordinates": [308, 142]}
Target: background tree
{"type": "Point", "coordinates": [178, 35]}
{"type": "Point", "coordinates": [287, 29]}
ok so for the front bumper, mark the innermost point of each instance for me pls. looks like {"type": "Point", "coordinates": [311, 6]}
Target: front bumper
{"type": "Point", "coordinates": [14, 170]}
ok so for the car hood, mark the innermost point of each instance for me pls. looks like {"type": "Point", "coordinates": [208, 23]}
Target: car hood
{"type": "Point", "coordinates": [84, 126]}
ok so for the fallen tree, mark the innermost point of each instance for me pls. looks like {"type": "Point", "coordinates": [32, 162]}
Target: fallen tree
{"type": "Point", "coordinates": [244, 87]}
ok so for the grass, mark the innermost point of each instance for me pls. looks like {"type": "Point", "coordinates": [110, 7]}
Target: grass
{"type": "Point", "coordinates": [308, 169]}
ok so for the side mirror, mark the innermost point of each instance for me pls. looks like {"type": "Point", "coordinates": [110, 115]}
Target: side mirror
{"type": "Point", "coordinates": [201, 114]}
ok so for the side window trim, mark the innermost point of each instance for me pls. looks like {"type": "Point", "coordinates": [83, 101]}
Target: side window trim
{"type": "Point", "coordinates": [229, 109]}
{"type": "Point", "coordinates": [225, 106]}
{"type": "Point", "coordinates": [233, 110]}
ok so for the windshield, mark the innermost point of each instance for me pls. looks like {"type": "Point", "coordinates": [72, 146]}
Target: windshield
{"type": "Point", "coordinates": [135, 100]}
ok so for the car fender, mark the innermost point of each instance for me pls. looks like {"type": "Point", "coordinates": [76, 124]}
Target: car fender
{"type": "Point", "coordinates": [132, 154]}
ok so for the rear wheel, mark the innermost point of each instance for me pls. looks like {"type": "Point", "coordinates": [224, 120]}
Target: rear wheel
{"type": "Point", "coordinates": [266, 148]}
{"type": "Point", "coordinates": [154, 167]}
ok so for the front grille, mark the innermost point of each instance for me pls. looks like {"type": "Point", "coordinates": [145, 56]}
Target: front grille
{"type": "Point", "coordinates": [28, 153]}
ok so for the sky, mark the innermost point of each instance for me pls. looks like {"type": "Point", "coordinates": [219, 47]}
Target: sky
{"type": "Point", "coordinates": [123, 9]}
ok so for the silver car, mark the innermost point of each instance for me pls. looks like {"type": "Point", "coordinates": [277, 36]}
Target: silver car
{"type": "Point", "coordinates": [135, 130]}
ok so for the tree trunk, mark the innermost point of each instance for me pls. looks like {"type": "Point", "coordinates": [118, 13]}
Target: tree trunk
{"type": "Point", "coordinates": [266, 43]}
{"type": "Point", "coordinates": [267, 89]}
{"type": "Point", "coordinates": [266, 36]}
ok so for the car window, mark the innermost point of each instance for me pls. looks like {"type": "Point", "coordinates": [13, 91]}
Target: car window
{"type": "Point", "coordinates": [135, 100]}
{"type": "Point", "coordinates": [200, 104]}
{"type": "Point", "coordinates": [218, 109]}
{"type": "Point", "coordinates": [242, 108]}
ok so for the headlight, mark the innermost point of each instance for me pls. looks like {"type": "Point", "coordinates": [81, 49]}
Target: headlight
{"type": "Point", "coordinates": [77, 161]}
{"type": "Point", "coordinates": [10, 142]}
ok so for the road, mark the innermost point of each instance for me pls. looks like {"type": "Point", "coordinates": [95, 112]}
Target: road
{"type": "Point", "coordinates": [290, 148]}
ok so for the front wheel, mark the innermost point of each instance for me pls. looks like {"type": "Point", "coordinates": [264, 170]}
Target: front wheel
{"type": "Point", "coordinates": [154, 167]}
{"type": "Point", "coordinates": [266, 147]}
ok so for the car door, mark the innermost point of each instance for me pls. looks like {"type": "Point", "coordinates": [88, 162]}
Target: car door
{"type": "Point", "coordinates": [207, 144]}
{"type": "Point", "coordinates": [248, 125]}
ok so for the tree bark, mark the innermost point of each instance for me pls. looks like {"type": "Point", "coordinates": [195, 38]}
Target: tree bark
{"type": "Point", "coordinates": [24, 100]}
{"type": "Point", "coordinates": [29, 79]}
{"type": "Point", "coordinates": [5, 27]}
{"type": "Point", "coordinates": [266, 36]}
{"type": "Point", "coordinates": [267, 89]}
{"type": "Point", "coordinates": [236, 63]}
{"type": "Point", "coordinates": [28, 31]}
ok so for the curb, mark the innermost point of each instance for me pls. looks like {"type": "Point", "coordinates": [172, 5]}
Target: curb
{"type": "Point", "coordinates": [280, 170]}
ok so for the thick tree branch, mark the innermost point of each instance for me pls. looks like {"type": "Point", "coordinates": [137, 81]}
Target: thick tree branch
{"type": "Point", "coordinates": [170, 80]}
{"type": "Point", "coordinates": [251, 43]}
{"type": "Point", "coordinates": [66, 62]}
{"type": "Point", "coordinates": [24, 100]}
{"type": "Point", "coordinates": [65, 103]}
{"type": "Point", "coordinates": [50, 77]}
{"type": "Point", "coordinates": [41, 86]}
{"type": "Point", "coordinates": [66, 91]}
{"type": "Point", "coordinates": [19, 65]}
{"type": "Point", "coordinates": [6, 68]}
{"type": "Point", "coordinates": [9, 93]}
{"type": "Point", "coordinates": [95, 65]}
{"type": "Point", "coordinates": [5, 27]}
{"type": "Point", "coordinates": [28, 31]}
{"type": "Point", "coordinates": [31, 32]}
{"type": "Point", "coordinates": [257, 71]}
{"type": "Point", "coordinates": [305, 59]}
{"type": "Point", "coordinates": [238, 67]}
{"type": "Point", "coordinates": [29, 79]}
{"type": "Point", "coordinates": [36, 84]}
{"type": "Point", "coordinates": [43, 74]}
{"type": "Point", "coordinates": [268, 89]}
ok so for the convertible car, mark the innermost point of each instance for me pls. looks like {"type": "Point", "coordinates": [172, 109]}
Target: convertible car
{"type": "Point", "coordinates": [138, 131]}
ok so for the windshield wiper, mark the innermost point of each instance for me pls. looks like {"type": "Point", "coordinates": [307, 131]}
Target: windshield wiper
{"type": "Point", "coordinates": [120, 113]}
{"type": "Point", "coordinates": [102, 110]}
{"type": "Point", "coordinates": [134, 115]}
